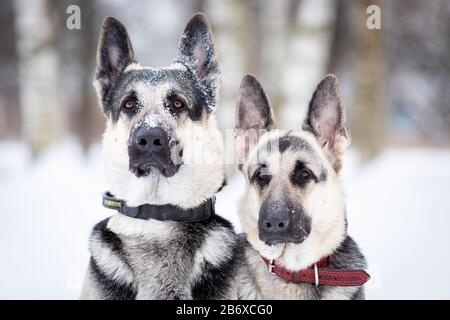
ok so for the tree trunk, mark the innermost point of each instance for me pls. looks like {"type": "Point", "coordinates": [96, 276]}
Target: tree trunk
{"type": "Point", "coordinates": [88, 126]}
{"type": "Point", "coordinates": [42, 114]}
{"type": "Point", "coordinates": [367, 117]}
{"type": "Point", "coordinates": [305, 57]}
{"type": "Point", "coordinates": [9, 87]}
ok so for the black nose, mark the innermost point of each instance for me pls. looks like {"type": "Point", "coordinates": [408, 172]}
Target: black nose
{"type": "Point", "coordinates": [275, 221]}
{"type": "Point", "coordinates": [275, 224]}
{"type": "Point", "coordinates": [151, 139]}
{"type": "Point", "coordinates": [282, 222]}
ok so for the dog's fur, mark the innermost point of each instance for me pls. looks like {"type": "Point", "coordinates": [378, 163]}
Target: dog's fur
{"type": "Point", "coordinates": [149, 259]}
{"type": "Point", "coordinates": [275, 162]}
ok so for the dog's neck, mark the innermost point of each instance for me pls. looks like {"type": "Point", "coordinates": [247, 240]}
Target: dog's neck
{"type": "Point", "coordinates": [151, 228]}
{"type": "Point", "coordinates": [297, 257]}
{"type": "Point", "coordinates": [308, 254]}
{"type": "Point", "coordinates": [165, 212]}
{"type": "Point", "coordinates": [147, 229]}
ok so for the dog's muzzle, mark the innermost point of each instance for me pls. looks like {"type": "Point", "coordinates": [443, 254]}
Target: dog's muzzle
{"type": "Point", "coordinates": [150, 148]}
{"type": "Point", "coordinates": [282, 223]}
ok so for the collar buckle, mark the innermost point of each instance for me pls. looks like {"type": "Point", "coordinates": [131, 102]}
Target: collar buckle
{"type": "Point", "coordinates": [316, 275]}
{"type": "Point", "coordinates": [271, 266]}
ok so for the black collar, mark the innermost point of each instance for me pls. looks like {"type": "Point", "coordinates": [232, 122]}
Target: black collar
{"type": "Point", "coordinates": [161, 212]}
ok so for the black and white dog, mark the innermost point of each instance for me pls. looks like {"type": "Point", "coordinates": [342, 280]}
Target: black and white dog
{"type": "Point", "coordinates": [162, 153]}
{"type": "Point", "coordinates": [293, 211]}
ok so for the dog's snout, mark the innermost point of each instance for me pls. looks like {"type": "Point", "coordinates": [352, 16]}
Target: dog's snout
{"type": "Point", "coordinates": [281, 222]}
{"type": "Point", "coordinates": [150, 148]}
{"type": "Point", "coordinates": [151, 139]}
{"type": "Point", "coordinates": [275, 224]}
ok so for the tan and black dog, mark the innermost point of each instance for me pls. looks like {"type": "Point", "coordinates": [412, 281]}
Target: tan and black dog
{"type": "Point", "coordinates": [293, 211]}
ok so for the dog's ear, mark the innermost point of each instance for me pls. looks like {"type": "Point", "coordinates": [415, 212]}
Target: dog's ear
{"type": "Point", "coordinates": [114, 54]}
{"type": "Point", "coordinates": [326, 118]}
{"type": "Point", "coordinates": [253, 109]}
{"type": "Point", "coordinates": [253, 116]}
{"type": "Point", "coordinates": [197, 47]}
{"type": "Point", "coordinates": [197, 51]}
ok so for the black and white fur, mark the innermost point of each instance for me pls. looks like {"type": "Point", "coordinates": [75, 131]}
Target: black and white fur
{"type": "Point", "coordinates": [149, 259]}
{"type": "Point", "coordinates": [293, 180]}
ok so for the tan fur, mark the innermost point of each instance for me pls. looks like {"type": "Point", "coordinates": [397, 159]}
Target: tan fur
{"type": "Point", "coordinates": [323, 202]}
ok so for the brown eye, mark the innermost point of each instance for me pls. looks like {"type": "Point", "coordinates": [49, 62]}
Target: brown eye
{"type": "Point", "coordinates": [178, 104]}
{"type": "Point", "coordinates": [305, 174]}
{"type": "Point", "coordinates": [302, 176]}
{"type": "Point", "coordinates": [129, 104]}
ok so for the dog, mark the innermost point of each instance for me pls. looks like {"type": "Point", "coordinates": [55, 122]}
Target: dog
{"type": "Point", "coordinates": [293, 211]}
{"type": "Point", "coordinates": [165, 242]}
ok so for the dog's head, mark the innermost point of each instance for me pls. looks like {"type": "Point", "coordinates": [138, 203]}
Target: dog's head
{"type": "Point", "coordinates": [161, 143]}
{"type": "Point", "coordinates": [293, 209]}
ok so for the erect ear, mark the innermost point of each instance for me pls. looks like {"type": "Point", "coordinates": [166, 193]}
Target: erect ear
{"type": "Point", "coordinates": [326, 118]}
{"type": "Point", "coordinates": [253, 110]}
{"type": "Point", "coordinates": [253, 114]}
{"type": "Point", "coordinates": [197, 47]}
{"type": "Point", "coordinates": [197, 51]}
{"type": "Point", "coordinates": [114, 54]}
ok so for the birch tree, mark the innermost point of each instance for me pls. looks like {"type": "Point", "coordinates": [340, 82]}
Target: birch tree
{"type": "Point", "coordinates": [42, 115]}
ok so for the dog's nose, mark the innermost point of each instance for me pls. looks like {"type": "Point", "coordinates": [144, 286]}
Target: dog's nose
{"type": "Point", "coordinates": [274, 224]}
{"type": "Point", "coordinates": [151, 148]}
{"type": "Point", "coordinates": [151, 139]}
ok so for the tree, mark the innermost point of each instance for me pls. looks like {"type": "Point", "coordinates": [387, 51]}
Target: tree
{"type": "Point", "coordinates": [368, 116]}
{"type": "Point", "coordinates": [358, 57]}
{"type": "Point", "coordinates": [9, 86]}
{"type": "Point", "coordinates": [42, 116]}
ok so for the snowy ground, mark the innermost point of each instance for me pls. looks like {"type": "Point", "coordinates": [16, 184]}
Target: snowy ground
{"type": "Point", "coordinates": [398, 211]}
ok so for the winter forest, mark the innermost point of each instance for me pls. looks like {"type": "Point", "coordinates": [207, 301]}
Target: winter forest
{"type": "Point", "coordinates": [395, 83]}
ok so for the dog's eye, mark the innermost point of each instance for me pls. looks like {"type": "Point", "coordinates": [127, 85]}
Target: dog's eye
{"type": "Point", "coordinates": [177, 104]}
{"type": "Point", "coordinates": [129, 104]}
{"type": "Point", "coordinates": [302, 175]}
{"type": "Point", "coordinates": [261, 178]}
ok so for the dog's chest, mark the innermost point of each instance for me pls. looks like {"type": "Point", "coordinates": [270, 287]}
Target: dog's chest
{"type": "Point", "coordinates": [162, 268]}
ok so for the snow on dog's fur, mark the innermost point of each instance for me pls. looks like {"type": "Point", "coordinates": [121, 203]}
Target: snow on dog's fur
{"type": "Point", "coordinates": [293, 209]}
{"type": "Point", "coordinates": [202, 177]}
{"type": "Point", "coordinates": [162, 146]}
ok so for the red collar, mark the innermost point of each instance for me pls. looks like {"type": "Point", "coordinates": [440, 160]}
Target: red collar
{"type": "Point", "coordinates": [318, 274]}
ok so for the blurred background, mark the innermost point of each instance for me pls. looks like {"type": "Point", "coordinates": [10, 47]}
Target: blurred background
{"type": "Point", "coordinates": [396, 88]}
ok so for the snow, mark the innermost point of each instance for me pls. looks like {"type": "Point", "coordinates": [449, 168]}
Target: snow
{"type": "Point", "coordinates": [48, 208]}
{"type": "Point", "coordinates": [398, 211]}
